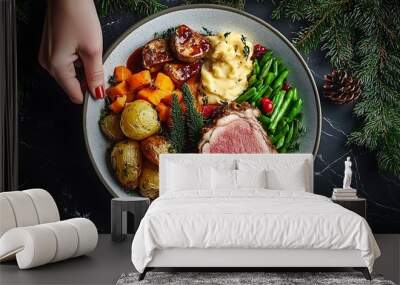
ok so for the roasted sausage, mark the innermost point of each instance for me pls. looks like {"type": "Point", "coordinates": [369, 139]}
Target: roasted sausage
{"type": "Point", "coordinates": [181, 72]}
{"type": "Point", "coordinates": [188, 45]}
{"type": "Point", "coordinates": [155, 54]}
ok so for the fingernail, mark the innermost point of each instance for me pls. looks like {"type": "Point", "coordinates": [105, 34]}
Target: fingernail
{"type": "Point", "coordinates": [99, 90]}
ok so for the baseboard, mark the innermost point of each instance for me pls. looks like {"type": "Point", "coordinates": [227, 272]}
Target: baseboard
{"type": "Point", "coordinates": [389, 262]}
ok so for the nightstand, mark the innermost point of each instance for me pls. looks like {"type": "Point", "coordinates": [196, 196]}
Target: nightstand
{"type": "Point", "coordinates": [358, 206]}
{"type": "Point", "coordinates": [137, 206]}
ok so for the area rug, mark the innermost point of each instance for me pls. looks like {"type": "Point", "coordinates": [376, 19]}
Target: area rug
{"type": "Point", "coordinates": [244, 278]}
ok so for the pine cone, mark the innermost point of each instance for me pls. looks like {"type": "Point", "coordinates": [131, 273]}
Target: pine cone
{"type": "Point", "coordinates": [341, 88]}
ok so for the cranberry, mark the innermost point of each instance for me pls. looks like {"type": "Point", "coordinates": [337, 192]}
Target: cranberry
{"type": "Point", "coordinates": [266, 105]}
{"type": "Point", "coordinates": [286, 86]}
{"type": "Point", "coordinates": [258, 51]}
{"type": "Point", "coordinates": [208, 110]}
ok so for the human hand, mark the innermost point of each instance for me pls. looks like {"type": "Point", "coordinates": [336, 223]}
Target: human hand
{"type": "Point", "coordinates": [72, 31]}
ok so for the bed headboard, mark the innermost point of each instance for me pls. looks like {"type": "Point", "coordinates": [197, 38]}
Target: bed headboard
{"type": "Point", "coordinates": [267, 160]}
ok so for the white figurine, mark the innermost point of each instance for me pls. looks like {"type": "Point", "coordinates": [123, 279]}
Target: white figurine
{"type": "Point", "coordinates": [347, 174]}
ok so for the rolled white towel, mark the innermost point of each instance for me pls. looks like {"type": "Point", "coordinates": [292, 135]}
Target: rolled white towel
{"type": "Point", "coordinates": [37, 245]}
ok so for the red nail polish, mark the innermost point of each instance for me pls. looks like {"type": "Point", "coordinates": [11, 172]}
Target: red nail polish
{"type": "Point", "coordinates": [99, 92]}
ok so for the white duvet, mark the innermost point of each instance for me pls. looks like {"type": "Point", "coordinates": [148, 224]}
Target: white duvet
{"type": "Point", "coordinates": [251, 218]}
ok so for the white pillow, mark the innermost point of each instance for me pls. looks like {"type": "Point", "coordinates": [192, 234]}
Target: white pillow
{"type": "Point", "coordinates": [223, 179]}
{"type": "Point", "coordinates": [251, 178]}
{"type": "Point", "coordinates": [290, 180]}
{"type": "Point", "coordinates": [183, 177]}
{"type": "Point", "coordinates": [282, 173]}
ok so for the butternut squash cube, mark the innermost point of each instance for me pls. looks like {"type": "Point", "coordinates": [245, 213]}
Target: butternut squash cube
{"type": "Point", "coordinates": [118, 90]}
{"type": "Point", "coordinates": [121, 73]}
{"type": "Point", "coordinates": [118, 105]}
{"type": "Point", "coordinates": [139, 80]}
{"type": "Point", "coordinates": [154, 96]}
{"type": "Point", "coordinates": [164, 82]}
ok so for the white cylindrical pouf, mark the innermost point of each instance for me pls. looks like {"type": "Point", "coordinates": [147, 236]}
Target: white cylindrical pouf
{"type": "Point", "coordinates": [23, 208]}
{"type": "Point", "coordinates": [87, 234]}
{"type": "Point", "coordinates": [67, 239]}
{"type": "Point", "coordinates": [7, 218]}
{"type": "Point", "coordinates": [45, 205]}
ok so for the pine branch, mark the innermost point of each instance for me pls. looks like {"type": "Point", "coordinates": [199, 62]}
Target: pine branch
{"type": "Point", "coordinates": [177, 136]}
{"type": "Point", "coordinates": [363, 37]}
{"type": "Point", "coordinates": [141, 7]}
{"type": "Point", "coordinates": [194, 120]}
{"type": "Point", "coordinates": [239, 4]}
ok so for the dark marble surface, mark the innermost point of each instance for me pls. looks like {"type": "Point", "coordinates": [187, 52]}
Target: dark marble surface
{"type": "Point", "coordinates": [54, 157]}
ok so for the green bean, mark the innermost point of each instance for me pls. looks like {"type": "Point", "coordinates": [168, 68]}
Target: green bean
{"type": "Point", "coordinates": [280, 143]}
{"type": "Point", "coordinates": [254, 99]}
{"type": "Point", "coordinates": [268, 92]}
{"type": "Point", "coordinates": [265, 69]}
{"type": "Point", "coordinates": [274, 93]}
{"type": "Point", "coordinates": [256, 67]}
{"type": "Point", "coordinates": [278, 82]}
{"type": "Point", "coordinates": [258, 84]}
{"type": "Point", "coordinates": [281, 66]}
{"type": "Point", "coordinates": [296, 127]}
{"type": "Point", "coordinates": [265, 58]}
{"type": "Point", "coordinates": [288, 138]}
{"type": "Point", "coordinates": [275, 67]}
{"type": "Point", "coordinates": [246, 95]}
{"type": "Point", "coordinates": [277, 104]}
{"type": "Point", "coordinates": [269, 78]}
{"type": "Point", "coordinates": [252, 80]}
{"type": "Point", "coordinates": [264, 90]}
{"type": "Point", "coordinates": [296, 130]}
{"type": "Point", "coordinates": [264, 120]}
{"type": "Point", "coordinates": [295, 110]}
{"type": "Point", "coordinates": [295, 95]}
{"type": "Point", "coordinates": [282, 109]}
{"type": "Point", "coordinates": [281, 134]}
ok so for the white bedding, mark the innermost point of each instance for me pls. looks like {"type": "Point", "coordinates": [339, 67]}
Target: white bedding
{"type": "Point", "coordinates": [252, 218]}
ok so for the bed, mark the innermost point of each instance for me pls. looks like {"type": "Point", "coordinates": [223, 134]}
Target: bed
{"type": "Point", "coordinates": [222, 210]}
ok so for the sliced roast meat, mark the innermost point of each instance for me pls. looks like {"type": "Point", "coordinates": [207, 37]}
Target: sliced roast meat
{"type": "Point", "coordinates": [155, 54]}
{"type": "Point", "coordinates": [181, 72]}
{"type": "Point", "coordinates": [188, 45]}
{"type": "Point", "coordinates": [236, 130]}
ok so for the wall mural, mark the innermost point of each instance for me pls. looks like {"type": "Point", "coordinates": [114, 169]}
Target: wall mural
{"type": "Point", "coordinates": [208, 91]}
{"type": "Point", "coordinates": [53, 154]}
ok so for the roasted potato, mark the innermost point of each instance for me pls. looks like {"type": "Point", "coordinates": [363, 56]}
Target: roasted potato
{"type": "Point", "coordinates": [139, 120]}
{"type": "Point", "coordinates": [149, 181]}
{"type": "Point", "coordinates": [153, 146]}
{"type": "Point", "coordinates": [188, 45]}
{"type": "Point", "coordinates": [126, 161]}
{"type": "Point", "coordinates": [181, 72]}
{"type": "Point", "coordinates": [110, 126]}
{"type": "Point", "coordinates": [155, 53]}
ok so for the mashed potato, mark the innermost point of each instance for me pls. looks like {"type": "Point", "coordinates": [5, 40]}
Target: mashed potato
{"type": "Point", "coordinates": [226, 68]}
